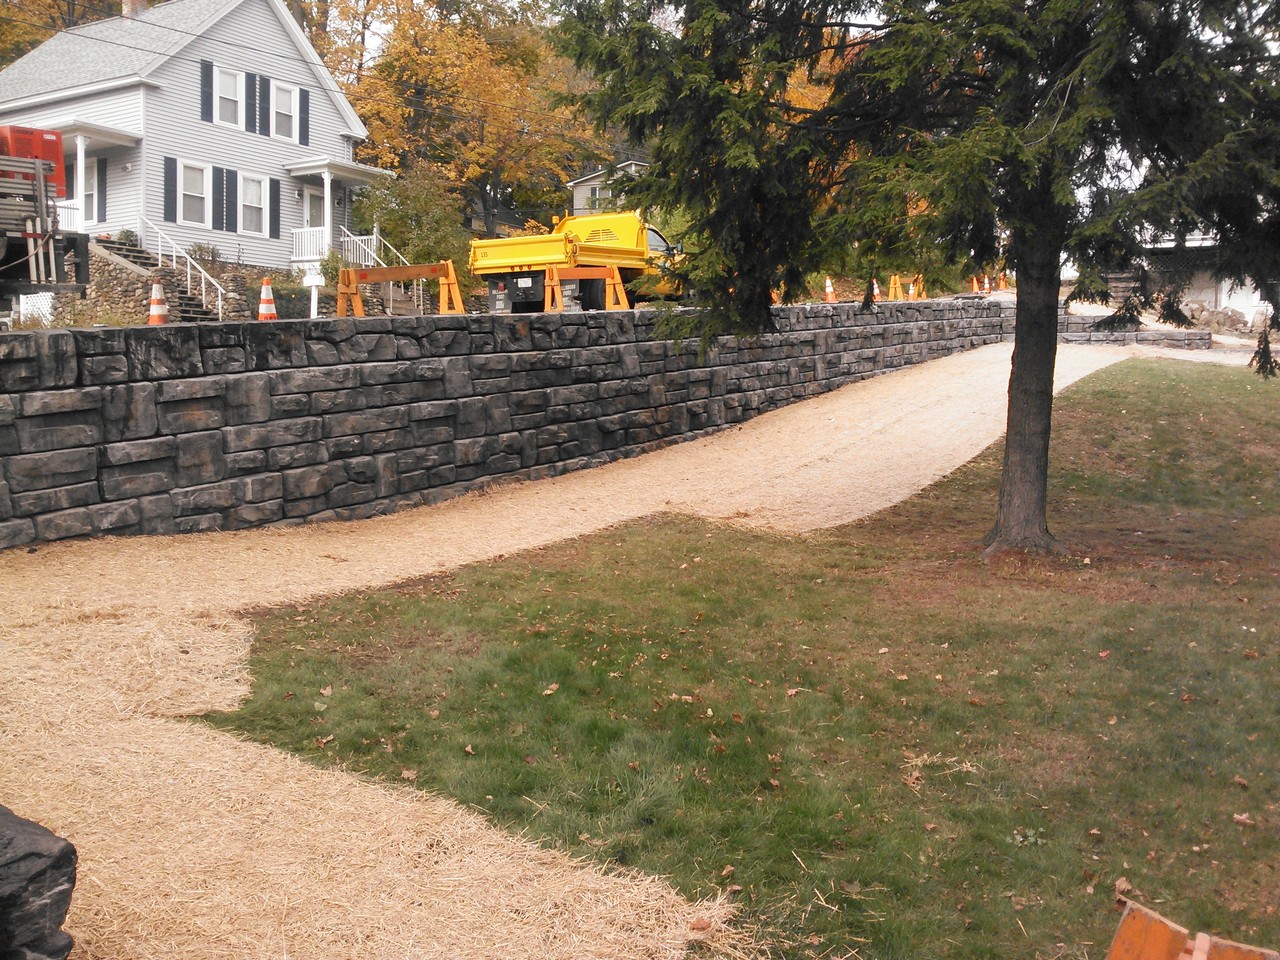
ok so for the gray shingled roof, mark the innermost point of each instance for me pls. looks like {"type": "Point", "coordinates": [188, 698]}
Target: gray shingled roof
{"type": "Point", "coordinates": [107, 50]}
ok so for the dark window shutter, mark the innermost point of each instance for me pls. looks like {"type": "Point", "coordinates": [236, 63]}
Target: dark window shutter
{"type": "Point", "coordinates": [304, 118]}
{"type": "Point", "coordinates": [219, 199]}
{"type": "Point", "coordinates": [264, 106]}
{"type": "Point", "coordinates": [102, 189]}
{"type": "Point", "coordinates": [170, 190]}
{"type": "Point", "coordinates": [233, 201]}
{"type": "Point", "coordinates": [251, 102]}
{"type": "Point", "coordinates": [206, 91]}
{"type": "Point", "coordinates": [273, 201]}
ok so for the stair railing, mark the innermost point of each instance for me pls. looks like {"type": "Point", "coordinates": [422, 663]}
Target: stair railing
{"type": "Point", "coordinates": [369, 250]}
{"type": "Point", "coordinates": [193, 269]}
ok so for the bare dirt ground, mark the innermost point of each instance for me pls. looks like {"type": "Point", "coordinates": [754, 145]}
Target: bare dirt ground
{"type": "Point", "coordinates": [196, 845]}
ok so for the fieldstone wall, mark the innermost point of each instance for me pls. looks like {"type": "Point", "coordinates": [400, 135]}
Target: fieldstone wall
{"type": "Point", "coordinates": [118, 291]}
{"type": "Point", "coordinates": [191, 427]}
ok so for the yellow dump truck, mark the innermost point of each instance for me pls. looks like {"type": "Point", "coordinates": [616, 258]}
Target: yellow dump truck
{"type": "Point", "coordinates": [580, 262]}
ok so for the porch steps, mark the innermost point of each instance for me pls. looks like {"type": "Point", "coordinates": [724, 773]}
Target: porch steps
{"type": "Point", "coordinates": [186, 307]}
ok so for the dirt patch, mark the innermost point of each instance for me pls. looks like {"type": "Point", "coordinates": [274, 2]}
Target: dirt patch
{"type": "Point", "coordinates": [196, 845]}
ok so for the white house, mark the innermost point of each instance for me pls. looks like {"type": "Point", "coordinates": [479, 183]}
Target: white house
{"type": "Point", "coordinates": [197, 122]}
{"type": "Point", "coordinates": [600, 190]}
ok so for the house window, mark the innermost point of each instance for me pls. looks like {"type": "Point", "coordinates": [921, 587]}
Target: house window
{"type": "Point", "coordinates": [253, 205]}
{"type": "Point", "coordinates": [89, 202]}
{"type": "Point", "coordinates": [229, 97]}
{"type": "Point", "coordinates": [193, 202]}
{"type": "Point", "coordinates": [284, 112]}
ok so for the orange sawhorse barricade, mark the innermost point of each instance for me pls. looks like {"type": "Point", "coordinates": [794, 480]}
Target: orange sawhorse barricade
{"type": "Point", "coordinates": [1145, 935]}
{"type": "Point", "coordinates": [349, 281]}
{"type": "Point", "coordinates": [615, 293]}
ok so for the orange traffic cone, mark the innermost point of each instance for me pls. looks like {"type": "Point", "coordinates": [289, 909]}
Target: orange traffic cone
{"type": "Point", "coordinates": [986, 283]}
{"type": "Point", "coordinates": [830, 296]}
{"type": "Point", "coordinates": [267, 302]}
{"type": "Point", "coordinates": [875, 290]}
{"type": "Point", "coordinates": [1001, 283]}
{"type": "Point", "coordinates": [158, 313]}
{"type": "Point", "coordinates": [973, 284]}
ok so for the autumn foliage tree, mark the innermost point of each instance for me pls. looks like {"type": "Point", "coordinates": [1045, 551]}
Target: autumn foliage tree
{"type": "Point", "coordinates": [1028, 130]}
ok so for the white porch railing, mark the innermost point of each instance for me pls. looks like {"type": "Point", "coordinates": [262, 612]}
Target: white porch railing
{"type": "Point", "coordinates": [194, 270]}
{"type": "Point", "coordinates": [69, 218]}
{"type": "Point", "coordinates": [310, 244]}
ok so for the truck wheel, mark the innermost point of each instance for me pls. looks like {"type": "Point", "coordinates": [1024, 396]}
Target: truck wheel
{"type": "Point", "coordinates": [591, 294]}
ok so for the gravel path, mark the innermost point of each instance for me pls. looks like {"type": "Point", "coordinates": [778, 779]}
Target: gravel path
{"type": "Point", "coordinates": [196, 845]}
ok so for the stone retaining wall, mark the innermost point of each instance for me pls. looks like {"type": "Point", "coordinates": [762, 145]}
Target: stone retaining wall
{"type": "Point", "coordinates": [192, 427]}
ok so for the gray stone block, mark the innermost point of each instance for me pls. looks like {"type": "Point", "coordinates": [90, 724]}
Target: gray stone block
{"type": "Point", "coordinates": [199, 458]}
{"type": "Point", "coordinates": [157, 516]}
{"type": "Point", "coordinates": [59, 431]}
{"type": "Point", "coordinates": [341, 447]}
{"type": "Point", "coordinates": [137, 451]}
{"type": "Point", "coordinates": [315, 481]}
{"type": "Point", "coordinates": [260, 488]}
{"type": "Point", "coordinates": [254, 515]}
{"type": "Point", "coordinates": [64, 524]}
{"type": "Point", "coordinates": [191, 389]}
{"type": "Point", "coordinates": [346, 494]}
{"type": "Point", "coordinates": [59, 498]}
{"type": "Point", "coordinates": [116, 517]}
{"type": "Point", "coordinates": [290, 405]}
{"type": "Point", "coordinates": [385, 440]}
{"type": "Point", "coordinates": [315, 379]}
{"type": "Point", "coordinates": [297, 455]}
{"type": "Point", "coordinates": [365, 421]}
{"type": "Point", "coordinates": [134, 480]}
{"type": "Point", "coordinates": [43, 471]}
{"type": "Point", "coordinates": [193, 501]}
{"type": "Point", "coordinates": [190, 416]}
{"type": "Point", "coordinates": [457, 377]}
{"type": "Point", "coordinates": [337, 401]}
{"type": "Point", "coordinates": [401, 371]}
{"type": "Point", "coordinates": [223, 360]}
{"type": "Point", "coordinates": [163, 353]}
{"type": "Point", "coordinates": [48, 402]}
{"type": "Point", "coordinates": [37, 877]}
{"type": "Point", "coordinates": [129, 411]}
{"type": "Point", "coordinates": [14, 533]}
{"type": "Point", "coordinates": [246, 461]}
{"type": "Point", "coordinates": [277, 433]}
{"type": "Point", "coordinates": [274, 346]}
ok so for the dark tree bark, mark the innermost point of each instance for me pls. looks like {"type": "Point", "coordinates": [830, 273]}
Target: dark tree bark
{"type": "Point", "coordinates": [1021, 519]}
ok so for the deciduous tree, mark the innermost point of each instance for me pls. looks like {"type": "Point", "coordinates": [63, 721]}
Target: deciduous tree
{"type": "Point", "coordinates": [1030, 130]}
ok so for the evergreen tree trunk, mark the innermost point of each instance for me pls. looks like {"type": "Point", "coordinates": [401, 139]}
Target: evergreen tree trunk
{"type": "Point", "coordinates": [1021, 517]}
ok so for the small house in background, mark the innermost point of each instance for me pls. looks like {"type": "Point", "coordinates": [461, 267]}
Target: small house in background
{"type": "Point", "coordinates": [1192, 263]}
{"type": "Point", "coordinates": [198, 122]}
{"type": "Point", "coordinates": [601, 190]}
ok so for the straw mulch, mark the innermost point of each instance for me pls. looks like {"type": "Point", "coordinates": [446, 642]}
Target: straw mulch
{"type": "Point", "coordinates": [196, 845]}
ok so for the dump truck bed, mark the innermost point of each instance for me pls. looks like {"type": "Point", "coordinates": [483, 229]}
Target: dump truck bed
{"type": "Point", "coordinates": [609, 240]}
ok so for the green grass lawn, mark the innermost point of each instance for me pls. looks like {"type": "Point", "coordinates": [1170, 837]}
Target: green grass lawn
{"type": "Point", "coordinates": [882, 745]}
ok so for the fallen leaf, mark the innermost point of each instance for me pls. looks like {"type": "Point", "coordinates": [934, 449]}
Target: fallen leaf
{"type": "Point", "coordinates": [1240, 782]}
{"type": "Point", "coordinates": [1251, 654]}
{"type": "Point", "coordinates": [551, 689]}
{"type": "Point", "coordinates": [1111, 721]}
{"type": "Point", "coordinates": [324, 741]}
{"type": "Point", "coordinates": [727, 871]}
{"type": "Point", "coordinates": [1104, 654]}
{"type": "Point", "coordinates": [930, 827]}
{"type": "Point", "coordinates": [853, 888]}
{"type": "Point", "coordinates": [326, 691]}
{"type": "Point", "coordinates": [433, 713]}
{"type": "Point", "coordinates": [1188, 697]}
{"type": "Point", "coordinates": [410, 775]}
{"type": "Point", "coordinates": [1095, 832]}
{"type": "Point", "coordinates": [701, 923]}
{"type": "Point", "coordinates": [290, 695]}
{"type": "Point", "coordinates": [903, 676]}
{"type": "Point", "coordinates": [884, 649]}
{"type": "Point", "coordinates": [914, 780]}
{"type": "Point", "coordinates": [531, 760]}
{"type": "Point", "coordinates": [1123, 887]}
{"type": "Point", "coordinates": [733, 888]}
{"type": "Point", "coordinates": [1243, 819]}
{"type": "Point", "coordinates": [737, 717]}
{"type": "Point", "coordinates": [468, 750]}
